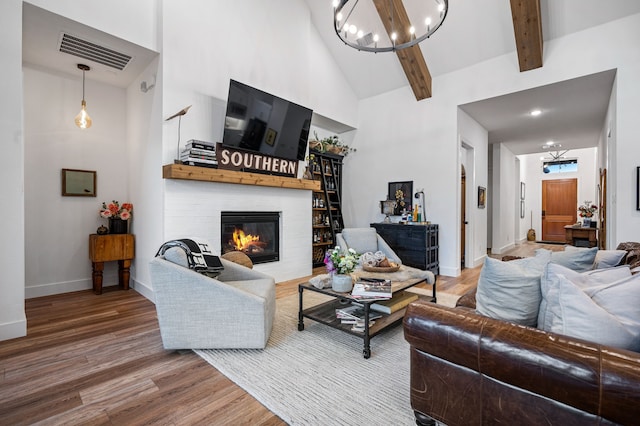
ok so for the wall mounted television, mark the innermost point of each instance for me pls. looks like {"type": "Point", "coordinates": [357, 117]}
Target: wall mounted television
{"type": "Point", "coordinates": [260, 122]}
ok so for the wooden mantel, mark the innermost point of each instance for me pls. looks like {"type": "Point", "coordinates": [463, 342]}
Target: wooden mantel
{"type": "Point", "coordinates": [181, 171]}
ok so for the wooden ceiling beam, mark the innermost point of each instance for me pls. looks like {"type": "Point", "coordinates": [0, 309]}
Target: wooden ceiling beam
{"type": "Point", "coordinates": [527, 27]}
{"type": "Point", "coordinates": [411, 59]}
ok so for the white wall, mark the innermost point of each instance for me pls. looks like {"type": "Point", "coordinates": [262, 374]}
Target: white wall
{"type": "Point", "coordinates": [418, 141]}
{"type": "Point", "coordinates": [474, 140]}
{"type": "Point", "coordinates": [12, 256]}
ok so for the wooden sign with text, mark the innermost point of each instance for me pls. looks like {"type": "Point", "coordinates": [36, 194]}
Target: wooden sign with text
{"type": "Point", "coordinates": [249, 161]}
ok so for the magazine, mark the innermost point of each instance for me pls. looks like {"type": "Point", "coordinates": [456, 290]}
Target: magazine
{"type": "Point", "coordinates": [372, 288]}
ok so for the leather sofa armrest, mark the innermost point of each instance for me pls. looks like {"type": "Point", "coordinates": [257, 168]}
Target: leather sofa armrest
{"type": "Point", "coordinates": [468, 300]}
{"type": "Point", "coordinates": [592, 378]}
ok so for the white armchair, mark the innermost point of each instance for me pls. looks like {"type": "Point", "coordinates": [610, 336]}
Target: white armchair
{"type": "Point", "coordinates": [234, 310]}
{"type": "Point", "coordinates": [363, 240]}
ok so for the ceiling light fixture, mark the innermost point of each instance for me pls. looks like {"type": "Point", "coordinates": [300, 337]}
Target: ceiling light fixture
{"type": "Point", "coordinates": [392, 27]}
{"type": "Point", "coordinates": [82, 119]}
{"type": "Point", "coordinates": [535, 112]}
{"type": "Point", "coordinates": [555, 156]}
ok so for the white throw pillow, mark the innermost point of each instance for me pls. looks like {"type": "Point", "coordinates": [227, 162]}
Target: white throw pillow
{"type": "Point", "coordinates": [550, 283]}
{"type": "Point", "coordinates": [510, 291]}
{"type": "Point", "coordinates": [608, 258]}
{"type": "Point", "coordinates": [609, 317]}
{"type": "Point", "coordinates": [578, 259]}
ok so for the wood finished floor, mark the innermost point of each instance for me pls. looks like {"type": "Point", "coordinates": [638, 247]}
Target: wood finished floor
{"type": "Point", "coordinates": [98, 360]}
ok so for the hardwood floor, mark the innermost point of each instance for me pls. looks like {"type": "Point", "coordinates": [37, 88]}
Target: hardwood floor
{"type": "Point", "coordinates": [99, 360]}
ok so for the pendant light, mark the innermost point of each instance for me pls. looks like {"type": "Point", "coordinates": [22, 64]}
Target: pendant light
{"type": "Point", "coordinates": [82, 119]}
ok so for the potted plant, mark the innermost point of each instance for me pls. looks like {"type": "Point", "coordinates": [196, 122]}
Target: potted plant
{"type": "Point", "coordinates": [340, 264]}
{"type": "Point", "coordinates": [587, 211]}
{"type": "Point", "coordinates": [331, 144]}
{"type": "Point", "coordinates": [118, 216]}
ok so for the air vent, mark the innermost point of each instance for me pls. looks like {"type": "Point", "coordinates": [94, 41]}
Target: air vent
{"type": "Point", "coordinates": [87, 50]}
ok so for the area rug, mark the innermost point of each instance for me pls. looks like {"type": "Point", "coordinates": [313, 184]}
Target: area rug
{"type": "Point", "coordinates": [318, 376]}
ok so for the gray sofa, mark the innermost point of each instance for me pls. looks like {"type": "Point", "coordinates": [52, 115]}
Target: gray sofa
{"type": "Point", "coordinates": [234, 310]}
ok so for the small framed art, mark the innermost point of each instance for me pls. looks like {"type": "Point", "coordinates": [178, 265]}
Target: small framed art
{"type": "Point", "coordinates": [482, 197]}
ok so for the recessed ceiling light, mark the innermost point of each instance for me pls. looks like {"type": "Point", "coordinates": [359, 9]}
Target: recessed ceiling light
{"type": "Point", "coordinates": [535, 112]}
{"type": "Point", "coordinates": [549, 142]}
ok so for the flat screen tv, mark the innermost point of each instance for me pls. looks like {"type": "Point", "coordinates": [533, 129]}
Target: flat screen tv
{"type": "Point", "coordinates": [260, 122]}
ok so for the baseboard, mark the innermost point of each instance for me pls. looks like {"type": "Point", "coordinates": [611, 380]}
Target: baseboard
{"type": "Point", "coordinates": [503, 249]}
{"type": "Point", "coordinates": [479, 261]}
{"type": "Point", "coordinates": [449, 272]}
{"type": "Point", "coordinates": [15, 329]}
{"type": "Point", "coordinates": [49, 289]}
{"type": "Point", "coordinates": [143, 289]}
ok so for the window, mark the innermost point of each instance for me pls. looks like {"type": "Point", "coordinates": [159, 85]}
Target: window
{"type": "Point", "coordinates": [560, 166]}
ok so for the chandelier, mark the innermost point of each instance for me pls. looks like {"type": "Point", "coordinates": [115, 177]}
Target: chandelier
{"type": "Point", "coordinates": [387, 25]}
{"type": "Point", "coordinates": [555, 156]}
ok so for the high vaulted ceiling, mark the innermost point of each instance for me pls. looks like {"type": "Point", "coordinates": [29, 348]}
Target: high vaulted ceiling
{"type": "Point", "coordinates": [474, 31]}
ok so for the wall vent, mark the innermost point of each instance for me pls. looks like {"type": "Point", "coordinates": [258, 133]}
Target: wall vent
{"type": "Point", "coordinates": [87, 50]}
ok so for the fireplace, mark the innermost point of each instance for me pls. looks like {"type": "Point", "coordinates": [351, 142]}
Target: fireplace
{"type": "Point", "coordinates": [257, 234]}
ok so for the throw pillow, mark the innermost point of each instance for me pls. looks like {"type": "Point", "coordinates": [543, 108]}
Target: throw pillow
{"type": "Point", "coordinates": [361, 240]}
{"type": "Point", "coordinates": [608, 258]}
{"type": "Point", "coordinates": [550, 282]}
{"type": "Point", "coordinates": [578, 259]}
{"type": "Point", "coordinates": [610, 317]}
{"type": "Point", "coordinates": [510, 291]}
{"type": "Point", "coordinates": [177, 256]}
{"type": "Point", "coordinates": [604, 258]}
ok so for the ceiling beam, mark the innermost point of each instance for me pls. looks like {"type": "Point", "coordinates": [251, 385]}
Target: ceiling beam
{"type": "Point", "coordinates": [527, 27]}
{"type": "Point", "coordinates": [411, 59]}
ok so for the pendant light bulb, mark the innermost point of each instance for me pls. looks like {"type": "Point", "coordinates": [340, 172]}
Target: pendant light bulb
{"type": "Point", "coordinates": [83, 120]}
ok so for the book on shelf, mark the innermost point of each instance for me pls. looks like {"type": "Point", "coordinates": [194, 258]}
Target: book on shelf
{"type": "Point", "coordinates": [193, 143]}
{"type": "Point", "coordinates": [372, 288]}
{"type": "Point", "coordinates": [200, 163]}
{"type": "Point", "coordinates": [394, 304]}
{"type": "Point", "coordinates": [355, 313]}
{"type": "Point", "coordinates": [198, 152]}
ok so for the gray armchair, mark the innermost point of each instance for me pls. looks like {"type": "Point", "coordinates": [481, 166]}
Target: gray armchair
{"type": "Point", "coordinates": [363, 240]}
{"type": "Point", "coordinates": [234, 310]}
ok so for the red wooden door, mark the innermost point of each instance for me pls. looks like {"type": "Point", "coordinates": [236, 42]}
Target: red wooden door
{"type": "Point", "coordinates": [559, 207]}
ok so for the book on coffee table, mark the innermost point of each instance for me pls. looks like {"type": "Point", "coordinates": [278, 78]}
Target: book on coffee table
{"type": "Point", "coordinates": [394, 304]}
{"type": "Point", "coordinates": [372, 288]}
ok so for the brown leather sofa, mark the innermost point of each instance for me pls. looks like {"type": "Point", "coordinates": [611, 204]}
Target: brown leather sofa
{"type": "Point", "coordinates": [467, 369]}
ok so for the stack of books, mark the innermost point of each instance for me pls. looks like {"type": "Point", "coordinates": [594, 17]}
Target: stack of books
{"type": "Point", "coordinates": [354, 315]}
{"type": "Point", "coordinates": [372, 288]}
{"type": "Point", "coordinates": [199, 153]}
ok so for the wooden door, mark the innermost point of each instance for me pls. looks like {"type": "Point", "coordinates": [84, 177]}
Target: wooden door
{"type": "Point", "coordinates": [559, 207]}
{"type": "Point", "coordinates": [463, 217]}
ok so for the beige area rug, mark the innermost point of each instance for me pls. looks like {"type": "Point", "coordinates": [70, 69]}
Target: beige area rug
{"type": "Point", "coordinates": [318, 376]}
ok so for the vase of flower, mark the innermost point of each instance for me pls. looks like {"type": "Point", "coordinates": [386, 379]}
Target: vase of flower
{"type": "Point", "coordinates": [340, 264]}
{"type": "Point", "coordinates": [341, 283]}
{"type": "Point", "coordinates": [118, 216]}
{"type": "Point", "coordinates": [118, 226]}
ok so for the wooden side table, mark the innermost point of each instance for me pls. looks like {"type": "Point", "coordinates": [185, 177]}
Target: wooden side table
{"type": "Point", "coordinates": [107, 248]}
{"type": "Point", "coordinates": [581, 236]}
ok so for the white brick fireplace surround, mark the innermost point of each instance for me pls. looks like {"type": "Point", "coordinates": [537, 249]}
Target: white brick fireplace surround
{"type": "Point", "coordinates": [193, 209]}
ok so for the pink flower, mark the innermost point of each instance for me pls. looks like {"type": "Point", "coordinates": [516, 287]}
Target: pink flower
{"type": "Point", "coordinates": [115, 210]}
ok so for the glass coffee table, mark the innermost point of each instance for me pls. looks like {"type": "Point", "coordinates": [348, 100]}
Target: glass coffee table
{"type": "Point", "coordinates": [325, 313]}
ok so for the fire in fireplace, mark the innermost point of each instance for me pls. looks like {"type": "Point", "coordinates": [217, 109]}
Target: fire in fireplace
{"type": "Point", "coordinates": [254, 233]}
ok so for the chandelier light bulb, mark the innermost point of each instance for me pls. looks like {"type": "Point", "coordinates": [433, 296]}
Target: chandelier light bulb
{"type": "Point", "coordinates": [339, 16]}
{"type": "Point", "coordinates": [376, 37]}
{"type": "Point", "coordinates": [360, 34]}
{"type": "Point", "coordinates": [336, 3]}
{"type": "Point", "coordinates": [394, 36]}
{"type": "Point", "coordinates": [82, 119]}
{"type": "Point", "coordinates": [428, 21]}
{"type": "Point", "coordinates": [353, 29]}
{"type": "Point", "coordinates": [412, 30]}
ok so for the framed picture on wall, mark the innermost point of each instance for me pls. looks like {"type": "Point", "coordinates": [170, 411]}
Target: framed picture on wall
{"type": "Point", "coordinates": [482, 197]}
{"type": "Point", "coordinates": [402, 194]}
{"type": "Point", "coordinates": [78, 183]}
